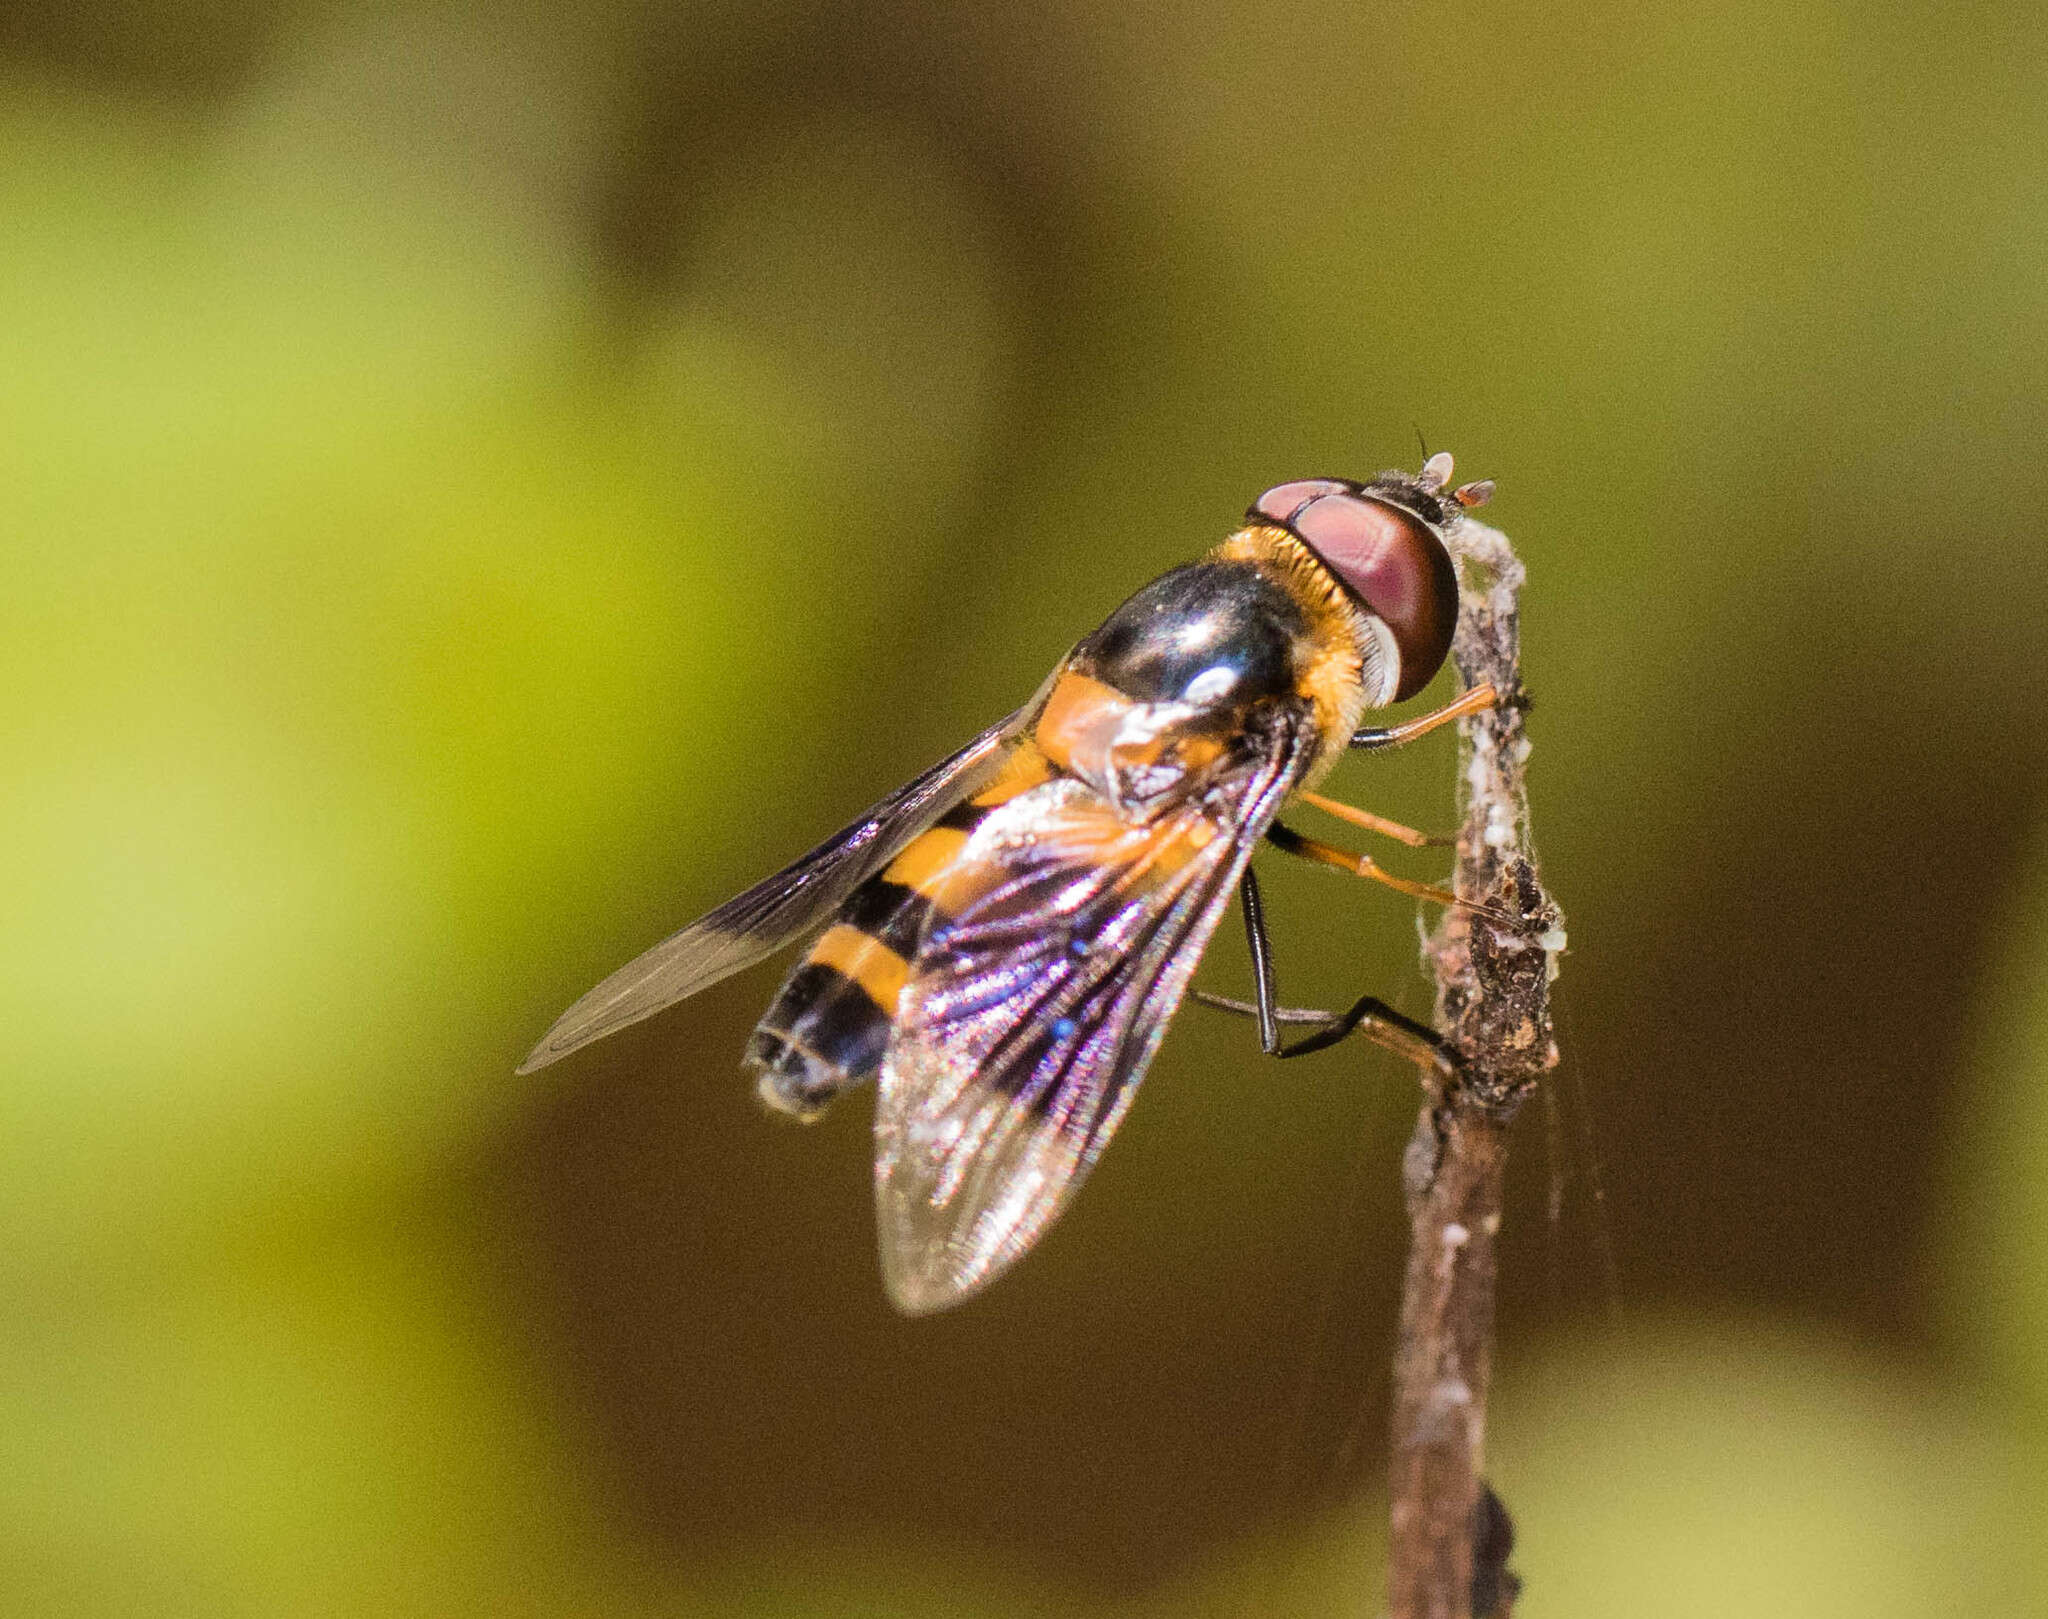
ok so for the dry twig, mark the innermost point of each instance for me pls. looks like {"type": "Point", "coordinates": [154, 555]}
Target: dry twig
{"type": "Point", "coordinates": [1493, 1004]}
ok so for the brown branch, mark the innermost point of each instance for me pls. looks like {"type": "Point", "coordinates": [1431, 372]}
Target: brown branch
{"type": "Point", "coordinates": [1493, 1003]}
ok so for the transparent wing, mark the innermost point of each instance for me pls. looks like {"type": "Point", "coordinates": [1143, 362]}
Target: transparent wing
{"type": "Point", "coordinates": [777, 909]}
{"type": "Point", "coordinates": [1029, 1019]}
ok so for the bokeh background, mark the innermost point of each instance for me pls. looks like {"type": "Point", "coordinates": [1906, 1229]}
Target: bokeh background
{"type": "Point", "coordinates": [479, 484]}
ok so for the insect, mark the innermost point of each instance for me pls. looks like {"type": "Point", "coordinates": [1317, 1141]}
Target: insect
{"type": "Point", "coordinates": [1002, 942]}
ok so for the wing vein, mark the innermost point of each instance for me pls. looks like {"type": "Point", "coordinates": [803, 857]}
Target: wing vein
{"type": "Point", "coordinates": [1029, 1019]}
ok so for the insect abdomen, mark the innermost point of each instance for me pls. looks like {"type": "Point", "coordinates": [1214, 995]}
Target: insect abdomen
{"type": "Point", "coordinates": [830, 1024]}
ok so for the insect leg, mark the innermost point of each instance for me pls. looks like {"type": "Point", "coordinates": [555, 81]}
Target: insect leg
{"type": "Point", "coordinates": [1368, 1015]}
{"type": "Point", "coordinates": [1376, 823]}
{"type": "Point", "coordinates": [1383, 1026]}
{"type": "Point", "coordinates": [1262, 960]}
{"type": "Point", "coordinates": [1392, 736]}
{"type": "Point", "coordinates": [1363, 865]}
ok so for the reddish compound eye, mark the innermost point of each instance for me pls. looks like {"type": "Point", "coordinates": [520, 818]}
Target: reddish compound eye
{"type": "Point", "coordinates": [1282, 501]}
{"type": "Point", "coordinates": [1393, 562]}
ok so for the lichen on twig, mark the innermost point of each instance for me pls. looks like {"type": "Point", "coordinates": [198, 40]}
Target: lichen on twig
{"type": "Point", "coordinates": [1493, 1004]}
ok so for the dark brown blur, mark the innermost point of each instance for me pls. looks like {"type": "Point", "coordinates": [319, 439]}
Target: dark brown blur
{"type": "Point", "coordinates": [484, 485]}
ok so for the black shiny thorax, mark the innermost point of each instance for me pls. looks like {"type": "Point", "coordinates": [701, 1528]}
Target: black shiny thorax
{"type": "Point", "coordinates": [1221, 634]}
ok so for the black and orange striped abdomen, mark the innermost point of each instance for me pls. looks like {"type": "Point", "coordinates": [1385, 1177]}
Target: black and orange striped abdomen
{"type": "Point", "coordinates": [829, 1025]}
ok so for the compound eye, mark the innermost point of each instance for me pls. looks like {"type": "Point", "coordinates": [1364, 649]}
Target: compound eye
{"type": "Point", "coordinates": [1282, 501]}
{"type": "Point", "coordinates": [1393, 562]}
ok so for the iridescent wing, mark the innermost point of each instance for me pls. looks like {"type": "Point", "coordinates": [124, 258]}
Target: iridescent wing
{"type": "Point", "coordinates": [774, 911]}
{"type": "Point", "coordinates": [1030, 1016]}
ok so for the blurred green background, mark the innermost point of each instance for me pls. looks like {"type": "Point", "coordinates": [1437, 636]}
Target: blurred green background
{"type": "Point", "coordinates": [480, 484]}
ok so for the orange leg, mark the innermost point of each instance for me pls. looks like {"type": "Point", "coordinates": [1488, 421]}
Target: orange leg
{"type": "Point", "coordinates": [1363, 865]}
{"type": "Point", "coordinates": [1375, 823]}
{"type": "Point", "coordinates": [1392, 736]}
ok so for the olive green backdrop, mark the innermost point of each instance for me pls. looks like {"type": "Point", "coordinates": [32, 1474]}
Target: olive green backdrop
{"type": "Point", "coordinates": [480, 484]}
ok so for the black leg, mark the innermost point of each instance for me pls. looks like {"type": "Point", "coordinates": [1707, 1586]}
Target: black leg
{"type": "Point", "coordinates": [1262, 960]}
{"type": "Point", "coordinates": [1283, 836]}
{"type": "Point", "coordinates": [1380, 1023]}
{"type": "Point", "coordinates": [1368, 1016]}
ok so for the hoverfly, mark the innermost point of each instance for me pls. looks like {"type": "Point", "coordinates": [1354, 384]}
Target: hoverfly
{"type": "Point", "coordinates": [1002, 941]}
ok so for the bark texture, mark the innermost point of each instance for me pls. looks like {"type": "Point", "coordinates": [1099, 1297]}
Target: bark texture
{"type": "Point", "coordinates": [1493, 1003]}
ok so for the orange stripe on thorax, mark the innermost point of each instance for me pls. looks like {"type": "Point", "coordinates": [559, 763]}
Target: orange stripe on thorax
{"type": "Point", "coordinates": [1082, 726]}
{"type": "Point", "coordinates": [1080, 717]}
